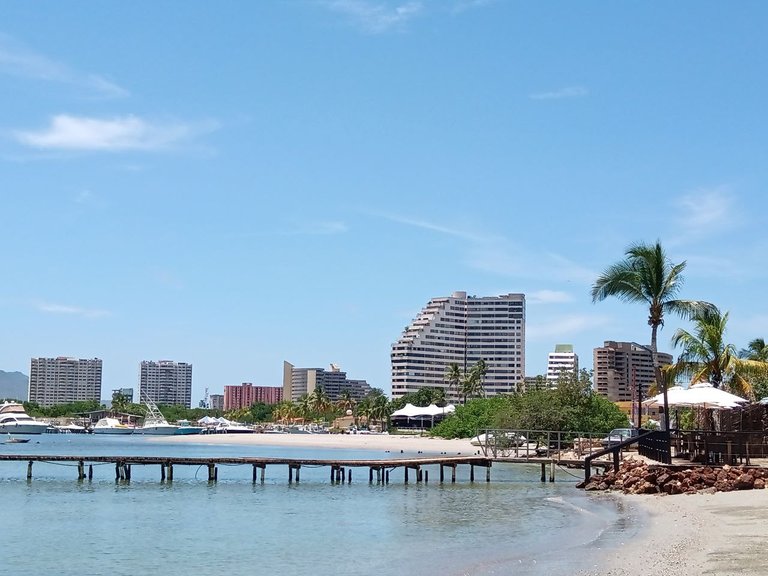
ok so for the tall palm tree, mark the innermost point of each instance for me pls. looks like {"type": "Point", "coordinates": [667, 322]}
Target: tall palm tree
{"type": "Point", "coordinates": [646, 275]}
{"type": "Point", "coordinates": [454, 376]}
{"type": "Point", "coordinates": [472, 383]}
{"type": "Point", "coordinates": [707, 357]}
{"type": "Point", "coordinates": [345, 401]}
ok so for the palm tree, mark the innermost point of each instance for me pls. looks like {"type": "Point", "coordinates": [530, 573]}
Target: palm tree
{"type": "Point", "coordinates": [472, 383]}
{"type": "Point", "coordinates": [757, 349]}
{"type": "Point", "coordinates": [345, 401]}
{"type": "Point", "coordinates": [646, 275]}
{"type": "Point", "coordinates": [454, 376]}
{"type": "Point", "coordinates": [707, 357]}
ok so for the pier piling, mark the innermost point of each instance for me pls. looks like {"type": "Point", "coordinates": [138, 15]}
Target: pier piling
{"type": "Point", "coordinates": [29, 470]}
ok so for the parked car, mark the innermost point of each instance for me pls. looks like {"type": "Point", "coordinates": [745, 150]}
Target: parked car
{"type": "Point", "coordinates": [618, 435]}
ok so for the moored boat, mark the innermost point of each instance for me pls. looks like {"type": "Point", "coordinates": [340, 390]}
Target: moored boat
{"type": "Point", "coordinates": [112, 426]}
{"type": "Point", "coordinates": [14, 420]}
{"type": "Point", "coordinates": [185, 428]}
{"type": "Point", "coordinates": [154, 422]}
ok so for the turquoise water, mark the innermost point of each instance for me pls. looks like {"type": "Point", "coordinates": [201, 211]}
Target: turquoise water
{"type": "Point", "coordinates": [514, 525]}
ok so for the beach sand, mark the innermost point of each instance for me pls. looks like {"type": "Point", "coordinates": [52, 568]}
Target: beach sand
{"type": "Point", "coordinates": [720, 534]}
{"type": "Point", "coordinates": [373, 442]}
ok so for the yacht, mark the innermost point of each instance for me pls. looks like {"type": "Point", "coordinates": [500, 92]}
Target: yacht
{"type": "Point", "coordinates": [154, 422]}
{"type": "Point", "coordinates": [112, 426]}
{"type": "Point", "coordinates": [186, 428]}
{"type": "Point", "coordinates": [13, 420]}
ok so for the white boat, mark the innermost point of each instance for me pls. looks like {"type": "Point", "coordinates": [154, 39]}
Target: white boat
{"type": "Point", "coordinates": [14, 420]}
{"type": "Point", "coordinates": [154, 422]}
{"type": "Point", "coordinates": [186, 428]}
{"type": "Point", "coordinates": [112, 426]}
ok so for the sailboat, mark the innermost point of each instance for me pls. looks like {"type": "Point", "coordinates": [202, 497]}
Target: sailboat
{"type": "Point", "coordinates": [154, 422]}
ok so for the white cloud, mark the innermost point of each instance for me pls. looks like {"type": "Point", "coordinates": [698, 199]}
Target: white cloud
{"type": "Point", "coordinates": [67, 132]}
{"type": "Point", "coordinates": [706, 209]}
{"type": "Point", "coordinates": [71, 310]}
{"type": "Point", "coordinates": [375, 17]}
{"type": "Point", "coordinates": [18, 61]}
{"type": "Point", "coordinates": [563, 326]}
{"type": "Point", "coordinates": [548, 297]}
{"type": "Point", "coordinates": [433, 227]}
{"type": "Point", "coordinates": [567, 92]}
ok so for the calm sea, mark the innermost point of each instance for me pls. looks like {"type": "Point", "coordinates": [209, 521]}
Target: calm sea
{"type": "Point", "coordinates": [514, 525]}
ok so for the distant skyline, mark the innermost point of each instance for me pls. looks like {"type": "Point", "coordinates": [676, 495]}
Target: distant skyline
{"type": "Point", "coordinates": [242, 184]}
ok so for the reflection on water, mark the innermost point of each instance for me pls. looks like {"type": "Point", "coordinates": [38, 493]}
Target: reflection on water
{"type": "Point", "coordinates": [67, 527]}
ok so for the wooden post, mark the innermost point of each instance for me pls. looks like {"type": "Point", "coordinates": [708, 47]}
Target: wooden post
{"type": "Point", "coordinates": [379, 479]}
{"type": "Point", "coordinates": [442, 474]}
{"type": "Point", "coordinates": [162, 472]}
{"type": "Point", "coordinates": [298, 470]}
{"type": "Point", "coordinates": [170, 471]}
{"type": "Point", "coordinates": [80, 470]}
{"type": "Point", "coordinates": [426, 476]}
{"type": "Point", "coordinates": [211, 472]}
{"type": "Point", "coordinates": [488, 472]}
{"type": "Point", "coordinates": [29, 470]}
{"type": "Point", "coordinates": [406, 475]}
{"type": "Point", "coordinates": [418, 473]}
{"type": "Point", "coordinates": [370, 475]}
{"type": "Point", "coordinates": [333, 471]}
{"type": "Point", "coordinates": [90, 472]}
{"type": "Point", "coordinates": [263, 471]}
{"type": "Point", "coordinates": [254, 474]}
{"type": "Point", "coordinates": [290, 474]}
{"type": "Point", "coordinates": [543, 471]}
{"type": "Point", "coordinates": [387, 476]}
{"type": "Point", "coordinates": [128, 472]}
{"type": "Point", "coordinates": [453, 474]}
{"type": "Point", "coordinates": [471, 472]}
{"type": "Point", "coordinates": [552, 471]}
{"type": "Point", "coordinates": [349, 476]}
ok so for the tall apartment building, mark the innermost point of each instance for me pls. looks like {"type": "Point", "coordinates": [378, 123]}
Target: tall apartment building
{"type": "Point", "coordinates": [62, 380]}
{"type": "Point", "coordinates": [166, 382]}
{"type": "Point", "coordinates": [245, 395]}
{"type": "Point", "coordinates": [563, 359]}
{"type": "Point", "coordinates": [300, 381]}
{"type": "Point", "coordinates": [216, 402]}
{"type": "Point", "coordinates": [623, 368]}
{"type": "Point", "coordinates": [462, 329]}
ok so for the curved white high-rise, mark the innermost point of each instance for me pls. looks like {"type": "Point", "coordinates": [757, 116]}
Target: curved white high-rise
{"type": "Point", "coordinates": [462, 329]}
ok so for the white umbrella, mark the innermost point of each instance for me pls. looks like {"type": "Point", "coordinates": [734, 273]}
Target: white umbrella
{"type": "Point", "coordinates": [674, 396]}
{"type": "Point", "coordinates": [706, 395]}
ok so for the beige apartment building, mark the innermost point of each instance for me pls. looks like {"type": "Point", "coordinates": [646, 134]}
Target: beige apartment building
{"type": "Point", "coordinates": [623, 368]}
{"type": "Point", "coordinates": [63, 380]}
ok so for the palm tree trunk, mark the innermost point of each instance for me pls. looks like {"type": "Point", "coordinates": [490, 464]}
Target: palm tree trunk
{"type": "Point", "coordinates": [659, 378]}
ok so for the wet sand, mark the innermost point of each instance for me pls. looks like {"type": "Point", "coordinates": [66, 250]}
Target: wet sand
{"type": "Point", "coordinates": [685, 535]}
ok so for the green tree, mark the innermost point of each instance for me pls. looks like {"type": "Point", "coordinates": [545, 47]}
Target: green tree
{"type": "Point", "coordinates": [646, 275]}
{"type": "Point", "coordinates": [706, 356]}
{"type": "Point", "coordinates": [453, 376]}
{"type": "Point", "coordinates": [757, 350]}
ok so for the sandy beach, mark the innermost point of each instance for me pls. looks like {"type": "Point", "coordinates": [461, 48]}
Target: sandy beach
{"type": "Point", "coordinates": [686, 535]}
{"type": "Point", "coordinates": [383, 442]}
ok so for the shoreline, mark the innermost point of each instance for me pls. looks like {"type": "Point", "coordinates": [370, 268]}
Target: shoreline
{"type": "Point", "coordinates": [370, 442]}
{"type": "Point", "coordinates": [680, 535]}
{"type": "Point", "coordinates": [689, 535]}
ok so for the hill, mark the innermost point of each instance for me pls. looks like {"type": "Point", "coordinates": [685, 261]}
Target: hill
{"type": "Point", "coordinates": [13, 385]}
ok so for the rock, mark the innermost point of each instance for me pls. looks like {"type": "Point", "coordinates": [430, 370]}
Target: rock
{"type": "Point", "coordinates": [744, 482]}
{"type": "Point", "coordinates": [759, 484]}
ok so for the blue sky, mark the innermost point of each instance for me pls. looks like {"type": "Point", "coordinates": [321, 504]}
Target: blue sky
{"type": "Point", "coordinates": [239, 184]}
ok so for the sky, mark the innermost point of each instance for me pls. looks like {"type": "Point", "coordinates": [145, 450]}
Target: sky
{"type": "Point", "coordinates": [241, 183]}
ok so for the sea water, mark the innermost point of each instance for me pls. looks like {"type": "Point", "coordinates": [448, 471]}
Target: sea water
{"type": "Point", "coordinates": [55, 524]}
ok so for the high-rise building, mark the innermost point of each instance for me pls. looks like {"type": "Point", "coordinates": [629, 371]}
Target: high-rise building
{"type": "Point", "coordinates": [126, 393]}
{"type": "Point", "coordinates": [462, 329]}
{"type": "Point", "coordinates": [245, 395]}
{"type": "Point", "coordinates": [216, 401]}
{"type": "Point", "coordinates": [563, 359]}
{"type": "Point", "coordinates": [62, 380]}
{"type": "Point", "coordinates": [300, 381]}
{"type": "Point", "coordinates": [623, 368]}
{"type": "Point", "coordinates": [166, 382]}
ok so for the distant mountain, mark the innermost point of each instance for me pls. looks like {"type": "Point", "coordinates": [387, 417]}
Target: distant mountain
{"type": "Point", "coordinates": [14, 385]}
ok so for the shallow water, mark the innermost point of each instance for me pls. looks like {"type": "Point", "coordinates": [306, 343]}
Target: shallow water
{"type": "Point", "coordinates": [515, 524]}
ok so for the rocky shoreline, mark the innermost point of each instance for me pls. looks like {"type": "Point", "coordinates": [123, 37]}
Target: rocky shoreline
{"type": "Point", "coordinates": [638, 477]}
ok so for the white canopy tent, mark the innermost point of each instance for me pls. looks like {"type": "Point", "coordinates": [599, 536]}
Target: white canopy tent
{"type": "Point", "coordinates": [701, 395]}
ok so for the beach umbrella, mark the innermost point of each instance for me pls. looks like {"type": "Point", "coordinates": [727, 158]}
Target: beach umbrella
{"type": "Point", "coordinates": [706, 395]}
{"type": "Point", "coordinates": [674, 396]}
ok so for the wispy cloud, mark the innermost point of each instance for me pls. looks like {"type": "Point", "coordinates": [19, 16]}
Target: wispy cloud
{"type": "Point", "coordinates": [433, 227]}
{"type": "Point", "coordinates": [18, 61]}
{"type": "Point", "coordinates": [707, 209]}
{"type": "Point", "coordinates": [548, 297]}
{"type": "Point", "coordinates": [567, 92]}
{"type": "Point", "coordinates": [563, 326]}
{"type": "Point", "coordinates": [79, 133]}
{"type": "Point", "coordinates": [51, 308]}
{"type": "Point", "coordinates": [464, 5]}
{"type": "Point", "coordinates": [375, 17]}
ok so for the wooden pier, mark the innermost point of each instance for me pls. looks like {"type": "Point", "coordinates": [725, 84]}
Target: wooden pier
{"type": "Point", "coordinates": [340, 470]}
